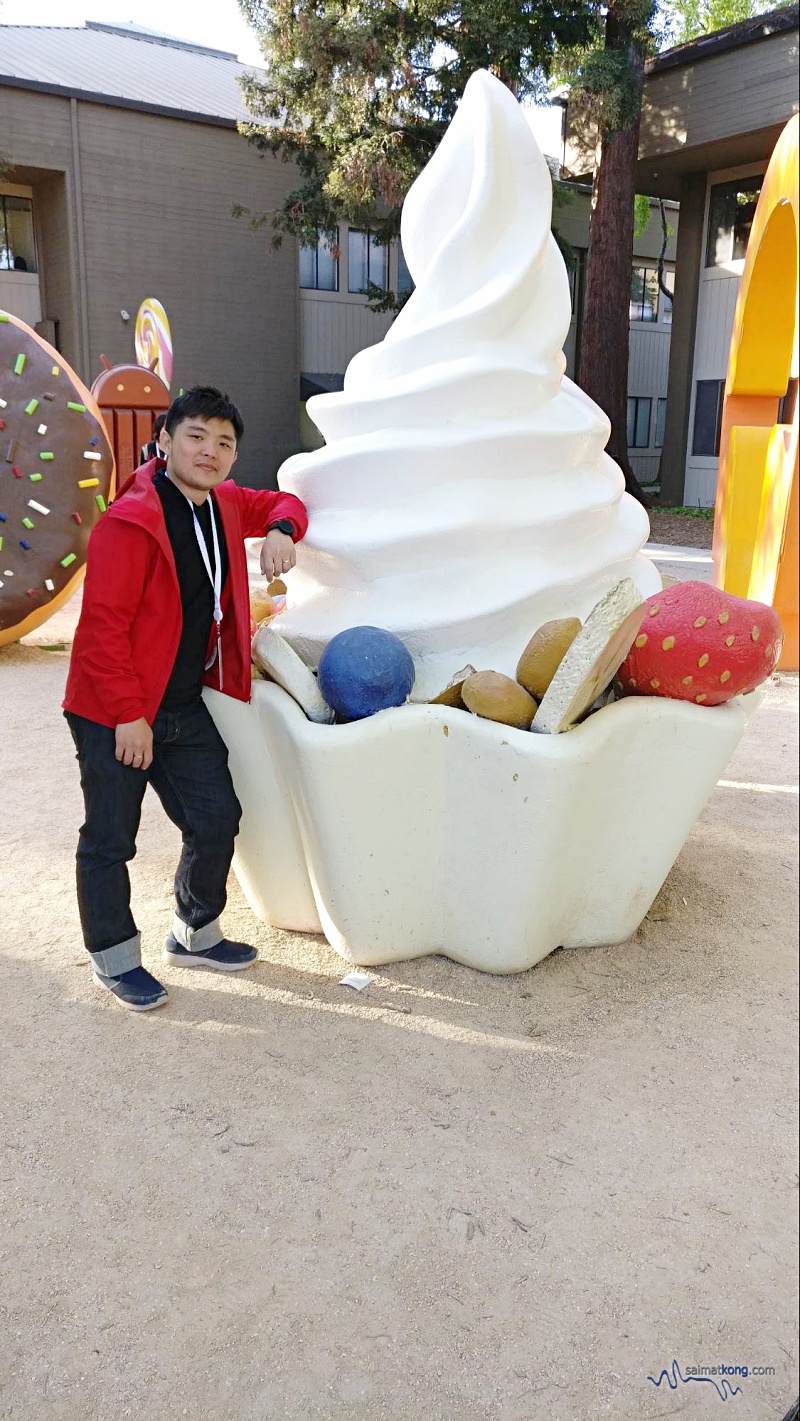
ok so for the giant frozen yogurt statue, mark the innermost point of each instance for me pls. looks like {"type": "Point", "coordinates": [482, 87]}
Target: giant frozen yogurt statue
{"type": "Point", "coordinates": [462, 499]}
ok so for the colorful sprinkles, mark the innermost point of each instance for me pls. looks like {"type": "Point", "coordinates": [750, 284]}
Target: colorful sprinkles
{"type": "Point", "coordinates": [26, 424]}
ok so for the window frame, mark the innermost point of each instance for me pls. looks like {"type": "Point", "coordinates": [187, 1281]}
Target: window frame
{"type": "Point", "coordinates": [371, 245]}
{"type": "Point", "coordinates": [665, 319]}
{"type": "Point", "coordinates": [636, 401]}
{"type": "Point", "coordinates": [4, 228]}
{"type": "Point", "coordinates": [303, 247]}
{"type": "Point", "coordinates": [720, 383]}
{"type": "Point", "coordinates": [739, 180]}
{"type": "Point", "coordinates": [402, 264]}
{"type": "Point", "coordinates": [641, 319]}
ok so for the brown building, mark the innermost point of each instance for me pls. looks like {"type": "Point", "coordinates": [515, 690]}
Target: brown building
{"type": "Point", "coordinates": [125, 161]}
{"type": "Point", "coordinates": [713, 111]}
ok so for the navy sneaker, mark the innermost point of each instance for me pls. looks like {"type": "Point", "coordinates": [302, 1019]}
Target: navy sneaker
{"type": "Point", "coordinates": [223, 957]}
{"type": "Point", "coordinates": [137, 990]}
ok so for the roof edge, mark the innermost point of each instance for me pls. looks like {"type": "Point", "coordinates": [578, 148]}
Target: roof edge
{"type": "Point", "coordinates": [153, 37]}
{"type": "Point", "coordinates": [115, 101]}
{"type": "Point", "coordinates": [745, 32]}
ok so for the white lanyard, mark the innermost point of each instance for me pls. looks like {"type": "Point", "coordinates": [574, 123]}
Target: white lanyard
{"type": "Point", "coordinates": [215, 577]}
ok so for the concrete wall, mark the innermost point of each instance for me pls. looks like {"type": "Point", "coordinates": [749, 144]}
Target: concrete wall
{"type": "Point", "coordinates": [129, 205]}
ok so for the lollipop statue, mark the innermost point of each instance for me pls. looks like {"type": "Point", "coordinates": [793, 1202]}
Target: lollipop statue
{"type": "Point", "coordinates": [154, 340]}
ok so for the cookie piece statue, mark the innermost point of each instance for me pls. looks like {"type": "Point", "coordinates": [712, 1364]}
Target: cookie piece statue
{"type": "Point", "coordinates": [56, 478]}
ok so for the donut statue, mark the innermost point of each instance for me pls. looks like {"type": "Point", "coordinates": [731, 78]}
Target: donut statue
{"type": "Point", "coordinates": [56, 478]}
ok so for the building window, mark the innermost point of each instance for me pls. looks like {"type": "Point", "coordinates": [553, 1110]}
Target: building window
{"type": "Point", "coordinates": [644, 294]}
{"type": "Point", "coordinates": [319, 267]}
{"type": "Point", "coordinates": [730, 217]}
{"type": "Point", "coordinates": [639, 411]}
{"type": "Point", "coordinates": [666, 301]}
{"type": "Point", "coordinates": [709, 396]}
{"type": "Point", "coordinates": [575, 278]}
{"type": "Point", "coordinates": [17, 248]}
{"type": "Point", "coordinates": [661, 423]}
{"type": "Point", "coordinates": [405, 284]}
{"type": "Point", "coordinates": [367, 261]}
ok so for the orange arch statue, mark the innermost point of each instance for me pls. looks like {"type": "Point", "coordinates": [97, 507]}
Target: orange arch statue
{"type": "Point", "coordinates": [756, 521]}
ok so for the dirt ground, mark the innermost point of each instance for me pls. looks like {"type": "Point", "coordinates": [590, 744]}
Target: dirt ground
{"type": "Point", "coordinates": [680, 529]}
{"type": "Point", "coordinates": [455, 1197]}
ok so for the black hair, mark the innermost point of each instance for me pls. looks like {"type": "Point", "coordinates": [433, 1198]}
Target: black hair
{"type": "Point", "coordinates": [158, 424]}
{"type": "Point", "coordinates": [204, 402]}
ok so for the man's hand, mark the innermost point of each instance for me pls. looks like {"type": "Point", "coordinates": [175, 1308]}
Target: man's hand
{"type": "Point", "coordinates": [135, 744]}
{"type": "Point", "coordinates": [277, 555]}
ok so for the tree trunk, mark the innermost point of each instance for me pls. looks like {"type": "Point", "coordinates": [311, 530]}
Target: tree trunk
{"type": "Point", "coordinates": [606, 323]}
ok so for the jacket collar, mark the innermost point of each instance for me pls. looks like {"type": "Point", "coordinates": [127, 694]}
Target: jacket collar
{"type": "Point", "coordinates": [138, 502]}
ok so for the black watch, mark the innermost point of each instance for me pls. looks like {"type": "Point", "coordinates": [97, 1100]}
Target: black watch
{"type": "Point", "coordinates": [283, 525]}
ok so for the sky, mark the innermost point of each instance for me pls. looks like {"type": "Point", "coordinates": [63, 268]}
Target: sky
{"type": "Point", "coordinates": [219, 25]}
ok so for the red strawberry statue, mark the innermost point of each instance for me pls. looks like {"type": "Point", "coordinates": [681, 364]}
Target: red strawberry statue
{"type": "Point", "coordinates": [700, 644]}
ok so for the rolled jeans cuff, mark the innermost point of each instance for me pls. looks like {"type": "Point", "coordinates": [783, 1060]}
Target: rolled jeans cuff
{"type": "Point", "coordinates": [197, 939]}
{"type": "Point", "coordinates": [122, 957]}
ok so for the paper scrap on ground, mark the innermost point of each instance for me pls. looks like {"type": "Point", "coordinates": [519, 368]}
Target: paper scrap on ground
{"type": "Point", "coordinates": [359, 980]}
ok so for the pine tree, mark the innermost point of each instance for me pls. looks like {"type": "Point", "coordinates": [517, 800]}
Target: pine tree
{"type": "Point", "coordinates": [358, 93]}
{"type": "Point", "coordinates": [610, 86]}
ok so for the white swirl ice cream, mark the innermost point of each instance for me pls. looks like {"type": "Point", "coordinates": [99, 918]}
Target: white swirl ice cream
{"type": "Point", "coordinates": [463, 496]}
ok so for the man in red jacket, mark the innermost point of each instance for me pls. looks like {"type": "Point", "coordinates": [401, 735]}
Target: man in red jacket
{"type": "Point", "coordinates": [165, 610]}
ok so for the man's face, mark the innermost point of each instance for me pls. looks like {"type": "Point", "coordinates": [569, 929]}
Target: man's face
{"type": "Point", "coordinates": [200, 452]}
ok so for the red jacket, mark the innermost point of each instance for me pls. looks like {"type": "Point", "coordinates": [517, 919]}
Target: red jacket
{"type": "Point", "coordinates": [130, 624]}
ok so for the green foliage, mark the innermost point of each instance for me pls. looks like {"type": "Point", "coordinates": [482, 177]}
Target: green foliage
{"type": "Point", "coordinates": [358, 93]}
{"type": "Point", "coordinates": [685, 512]}
{"type": "Point", "coordinates": [641, 214]}
{"type": "Point", "coordinates": [688, 19]}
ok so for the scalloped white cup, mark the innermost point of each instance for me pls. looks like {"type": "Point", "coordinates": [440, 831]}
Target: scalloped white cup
{"type": "Point", "coordinates": [427, 830]}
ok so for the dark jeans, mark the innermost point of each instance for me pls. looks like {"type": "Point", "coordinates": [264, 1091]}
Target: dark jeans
{"type": "Point", "coordinates": [190, 775]}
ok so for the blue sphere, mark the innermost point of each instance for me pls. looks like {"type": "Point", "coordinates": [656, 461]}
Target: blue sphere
{"type": "Point", "coordinates": [364, 670]}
